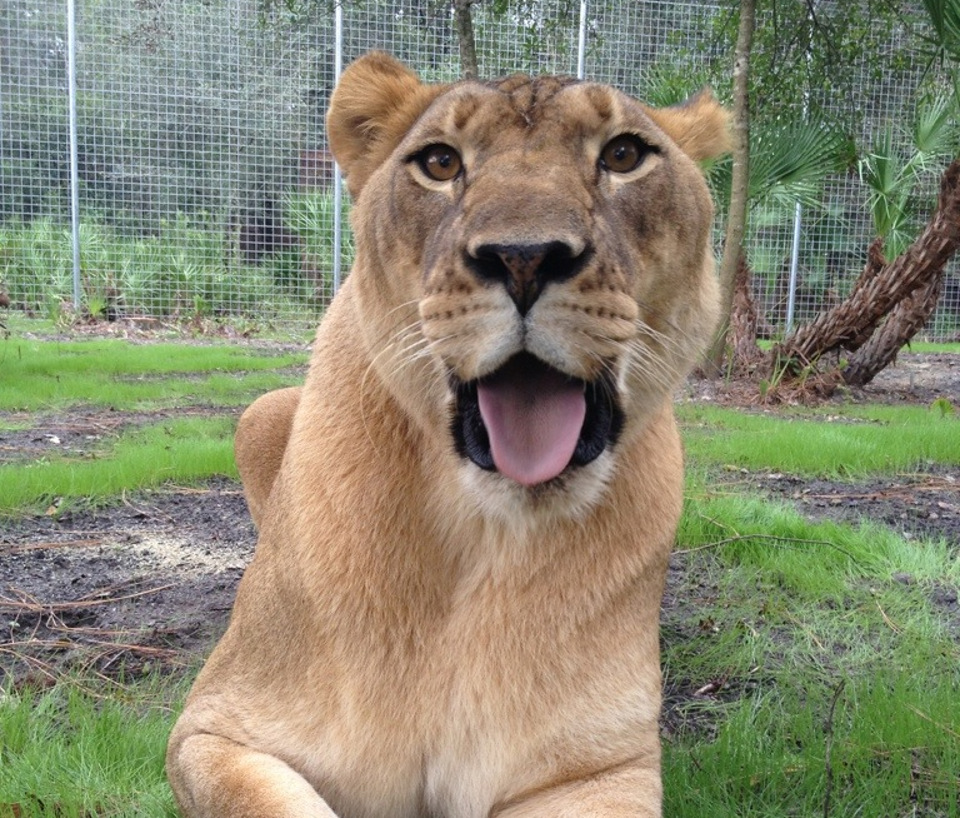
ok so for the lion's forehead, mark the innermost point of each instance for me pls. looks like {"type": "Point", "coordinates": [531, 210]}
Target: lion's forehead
{"type": "Point", "coordinates": [529, 111]}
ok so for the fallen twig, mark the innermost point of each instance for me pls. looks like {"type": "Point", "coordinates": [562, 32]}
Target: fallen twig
{"type": "Point", "coordinates": [827, 761]}
{"type": "Point", "coordinates": [890, 623]}
{"type": "Point", "coordinates": [27, 603]}
{"type": "Point", "coordinates": [50, 544]}
{"type": "Point", "coordinates": [190, 490]}
{"type": "Point", "coordinates": [765, 537]}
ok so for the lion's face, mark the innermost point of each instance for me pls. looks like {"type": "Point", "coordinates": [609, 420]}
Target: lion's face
{"type": "Point", "coordinates": [534, 270]}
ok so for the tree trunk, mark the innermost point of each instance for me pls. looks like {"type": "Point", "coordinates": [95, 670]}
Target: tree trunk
{"type": "Point", "coordinates": [880, 288]}
{"type": "Point", "coordinates": [468, 45]}
{"type": "Point", "coordinates": [739, 187]}
{"type": "Point", "coordinates": [744, 323]}
{"type": "Point", "coordinates": [904, 321]}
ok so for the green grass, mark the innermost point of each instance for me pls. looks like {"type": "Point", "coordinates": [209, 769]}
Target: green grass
{"type": "Point", "coordinates": [913, 346]}
{"type": "Point", "coordinates": [789, 612]}
{"type": "Point", "coordinates": [926, 346]}
{"type": "Point", "coordinates": [848, 441]}
{"type": "Point", "coordinates": [176, 450]}
{"type": "Point", "coordinates": [48, 375]}
{"type": "Point", "coordinates": [74, 752]}
{"type": "Point", "coordinates": [57, 376]}
{"type": "Point", "coordinates": [769, 756]}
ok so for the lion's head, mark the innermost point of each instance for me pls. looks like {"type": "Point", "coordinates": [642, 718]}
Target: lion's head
{"type": "Point", "coordinates": [534, 270]}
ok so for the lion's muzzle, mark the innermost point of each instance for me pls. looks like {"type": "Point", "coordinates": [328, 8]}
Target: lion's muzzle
{"type": "Point", "coordinates": [531, 423]}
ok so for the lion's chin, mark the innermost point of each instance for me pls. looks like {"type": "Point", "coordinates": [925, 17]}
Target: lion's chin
{"type": "Point", "coordinates": [532, 423]}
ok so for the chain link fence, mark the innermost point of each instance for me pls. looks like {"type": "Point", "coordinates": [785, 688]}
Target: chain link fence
{"type": "Point", "coordinates": [167, 157]}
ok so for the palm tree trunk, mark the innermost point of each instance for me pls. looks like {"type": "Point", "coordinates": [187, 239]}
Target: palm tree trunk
{"type": "Point", "coordinates": [903, 322]}
{"type": "Point", "coordinates": [744, 322]}
{"type": "Point", "coordinates": [880, 288]}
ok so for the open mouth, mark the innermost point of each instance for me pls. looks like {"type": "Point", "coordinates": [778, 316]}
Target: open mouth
{"type": "Point", "coordinates": [531, 422]}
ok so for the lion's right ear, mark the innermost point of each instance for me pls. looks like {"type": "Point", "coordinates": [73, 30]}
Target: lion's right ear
{"type": "Point", "coordinates": [373, 106]}
{"type": "Point", "coordinates": [700, 126]}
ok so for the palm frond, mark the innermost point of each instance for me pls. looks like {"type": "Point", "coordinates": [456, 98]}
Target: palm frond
{"type": "Point", "coordinates": [935, 128]}
{"type": "Point", "coordinates": [788, 164]}
{"type": "Point", "coordinates": [945, 18]}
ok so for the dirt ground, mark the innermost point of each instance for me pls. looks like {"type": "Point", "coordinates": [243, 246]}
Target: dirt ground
{"type": "Point", "coordinates": [148, 583]}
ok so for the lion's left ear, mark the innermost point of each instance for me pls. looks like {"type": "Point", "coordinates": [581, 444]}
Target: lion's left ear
{"type": "Point", "coordinates": [700, 126]}
{"type": "Point", "coordinates": [373, 106]}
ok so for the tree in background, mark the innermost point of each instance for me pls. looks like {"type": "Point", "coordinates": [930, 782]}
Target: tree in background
{"type": "Point", "coordinates": [896, 294]}
{"type": "Point", "coordinates": [463, 22]}
{"type": "Point", "coordinates": [733, 260]}
{"type": "Point", "coordinates": [901, 283]}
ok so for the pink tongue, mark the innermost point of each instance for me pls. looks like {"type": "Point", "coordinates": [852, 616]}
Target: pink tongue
{"type": "Point", "coordinates": [533, 416]}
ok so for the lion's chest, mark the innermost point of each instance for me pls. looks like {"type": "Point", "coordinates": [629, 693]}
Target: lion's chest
{"type": "Point", "coordinates": [453, 716]}
{"type": "Point", "coordinates": [436, 723]}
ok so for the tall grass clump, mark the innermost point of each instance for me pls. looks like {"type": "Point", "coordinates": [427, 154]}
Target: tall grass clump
{"type": "Point", "coordinates": [71, 751]}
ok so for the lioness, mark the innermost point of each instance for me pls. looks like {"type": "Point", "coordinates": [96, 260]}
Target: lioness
{"type": "Point", "coordinates": [465, 515]}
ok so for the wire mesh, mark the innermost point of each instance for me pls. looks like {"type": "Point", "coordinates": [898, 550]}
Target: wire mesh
{"type": "Point", "coordinates": [205, 184]}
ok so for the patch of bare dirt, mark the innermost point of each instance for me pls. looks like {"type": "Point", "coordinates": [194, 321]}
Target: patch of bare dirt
{"type": "Point", "coordinates": [144, 584]}
{"type": "Point", "coordinates": [921, 505]}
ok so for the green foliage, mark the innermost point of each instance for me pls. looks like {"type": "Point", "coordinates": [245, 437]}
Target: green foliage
{"type": "Point", "coordinates": [671, 82]}
{"type": "Point", "coordinates": [789, 163]}
{"type": "Point", "coordinates": [183, 270]}
{"type": "Point", "coordinates": [944, 16]}
{"type": "Point", "coordinates": [893, 177]}
{"type": "Point", "coordinates": [311, 216]}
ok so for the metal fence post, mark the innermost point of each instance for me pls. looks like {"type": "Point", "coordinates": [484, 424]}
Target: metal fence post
{"type": "Point", "coordinates": [794, 263]}
{"type": "Point", "coordinates": [798, 211]}
{"type": "Point", "coordinates": [74, 163]}
{"type": "Point", "coordinates": [337, 177]}
{"type": "Point", "coordinates": [582, 42]}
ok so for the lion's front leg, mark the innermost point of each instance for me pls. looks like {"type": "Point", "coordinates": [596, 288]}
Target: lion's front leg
{"type": "Point", "coordinates": [631, 790]}
{"type": "Point", "coordinates": [262, 435]}
{"type": "Point", "coordinates": [214, 777]}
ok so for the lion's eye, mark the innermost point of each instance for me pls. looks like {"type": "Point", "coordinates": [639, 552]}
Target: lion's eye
{"type": "Point", "coordinates": [440, 162]}
{"type": "Point", "coordinates": [623, 153]}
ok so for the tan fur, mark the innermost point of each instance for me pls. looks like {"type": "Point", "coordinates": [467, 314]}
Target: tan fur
{"type": "Point", "coordinates": [261, 440]}
{"type": "Point", "coordinates": [699, 126]}
{"type": "Point", "coordinates": [417, 636]}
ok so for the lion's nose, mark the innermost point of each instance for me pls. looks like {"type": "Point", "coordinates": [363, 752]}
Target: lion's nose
{"type": "Point", "coordinates": [525, 269]}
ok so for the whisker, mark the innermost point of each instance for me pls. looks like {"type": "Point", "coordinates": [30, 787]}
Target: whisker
{"type": "Point", "coordinates": [404, 335]}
